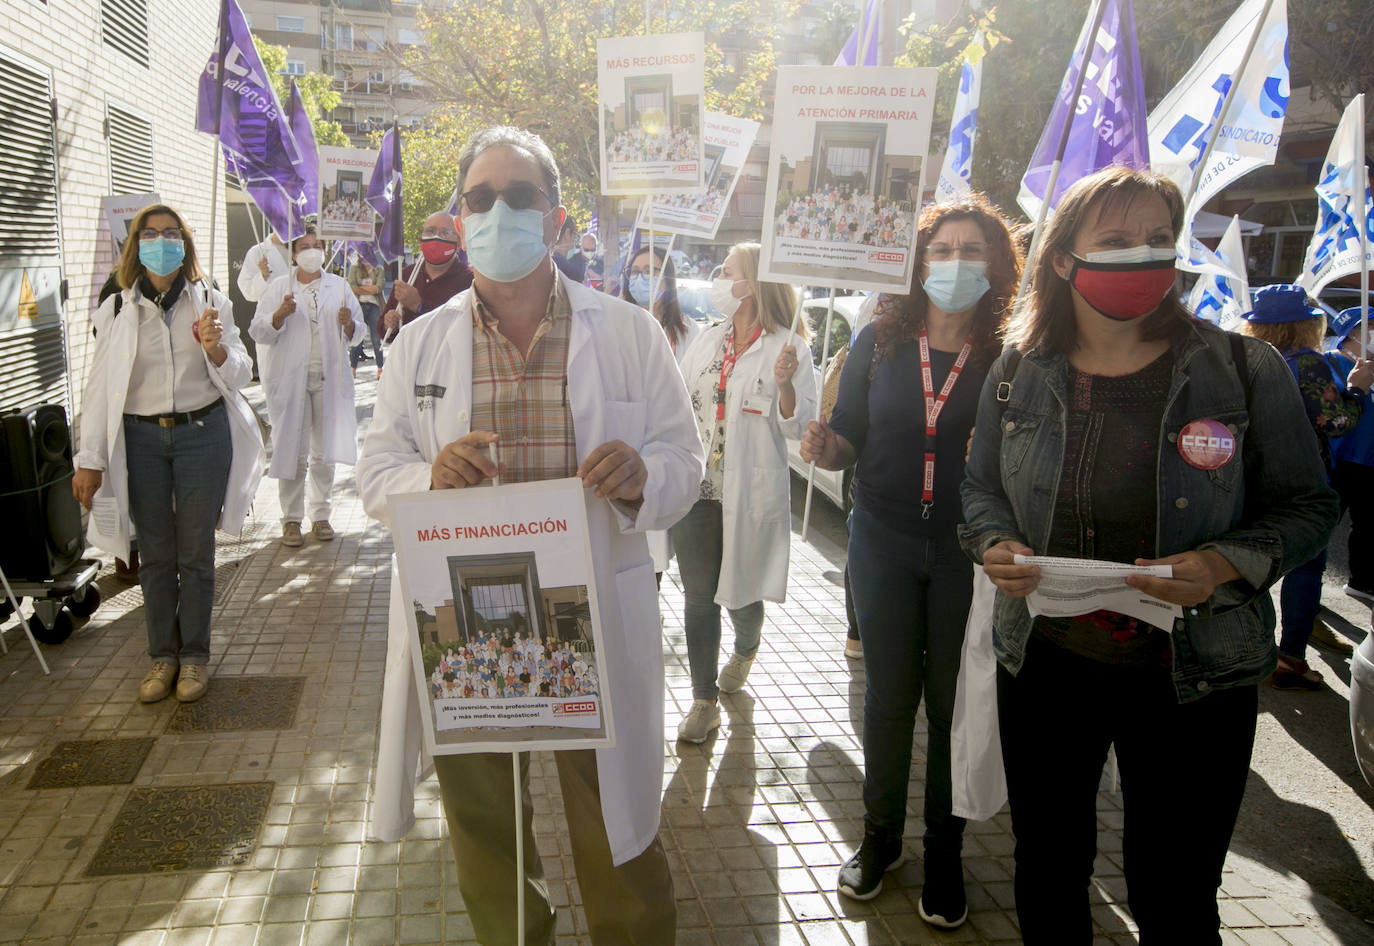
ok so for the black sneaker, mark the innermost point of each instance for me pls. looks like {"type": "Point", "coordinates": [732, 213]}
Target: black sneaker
{"type": "Point", "coordinates": [942, 900]}
{"type": "Point", "coordinates": [862, 875]}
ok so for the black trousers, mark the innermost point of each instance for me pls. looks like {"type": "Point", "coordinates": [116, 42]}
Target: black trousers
{"type": "Point", "coordinates": [1355, 483]}
{"type": "Point", "coordinates": [1183, 771]}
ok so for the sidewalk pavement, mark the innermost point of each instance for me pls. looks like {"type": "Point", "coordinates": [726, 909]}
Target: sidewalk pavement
{"type": "Point", "coordinates": [242, 820]}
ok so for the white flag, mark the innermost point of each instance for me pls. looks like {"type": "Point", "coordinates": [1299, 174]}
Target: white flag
{"type": "Point", "coordinates": [1249, 138]}
{"type": "Point", "coordinates": [1335, 247]}
{"type": "Point", "coordinates": [1222, 293]}
{"type": "Point", "coordinates": [958, 166]}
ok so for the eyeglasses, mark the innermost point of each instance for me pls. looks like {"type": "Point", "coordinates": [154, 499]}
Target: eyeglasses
{"type": "Point", "coordinates": [519, 195]}
{"type": "Point", "coordinates": [447, 233]}
{"type": "Point", "coordinates": [171, 233]}
{"type": "Point", "coordinates": [940, 252]}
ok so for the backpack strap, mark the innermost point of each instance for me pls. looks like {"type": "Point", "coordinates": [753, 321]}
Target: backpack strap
{"type": "Point", "coordinates": [1004, 386]}
{"type": "Point", "coordinates": [1242, 366]}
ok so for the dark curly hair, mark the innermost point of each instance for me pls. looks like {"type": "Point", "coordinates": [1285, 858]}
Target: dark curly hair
{"type": "Point", "coordinates": [898, 319]}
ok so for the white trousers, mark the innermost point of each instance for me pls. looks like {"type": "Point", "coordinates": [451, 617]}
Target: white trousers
{"type": "Point", "coordinates": [294, 493]}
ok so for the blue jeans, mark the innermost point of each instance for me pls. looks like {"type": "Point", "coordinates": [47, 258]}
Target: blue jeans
{"type": "Point", "coordinates": [371, 315]}
{"type": "Point", "coordinates": [177, 479]}
{"type": "Point", "coordinates": [698, 540]}
{"type": "Point", "coordinates": [911, 596]}
{"type": "Point", "coordinates": [1300, 599]}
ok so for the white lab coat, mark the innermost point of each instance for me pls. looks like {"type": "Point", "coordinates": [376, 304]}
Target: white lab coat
{"type": "Point", "coordinates": [102, 413]}
{"type": "Point", "coordinates": [251, 283]}
{"type": "Point", "coordinates": [660, 545]}
{"type": "Point", "coordinates": [622, 385]}
{"type": "Point", "coordinates": [756, 506]}
{"type": "Point", "coordinates": [283, 360]}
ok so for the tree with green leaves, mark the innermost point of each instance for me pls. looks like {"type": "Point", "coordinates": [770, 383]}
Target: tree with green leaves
{"type": "Point", "coordinates": [317, 93]}
{"type": "Point", "coordinates": [533, 64]}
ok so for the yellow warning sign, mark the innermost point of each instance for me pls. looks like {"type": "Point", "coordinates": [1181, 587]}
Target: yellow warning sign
{"type": "Point", "coordinates": [28, 302]}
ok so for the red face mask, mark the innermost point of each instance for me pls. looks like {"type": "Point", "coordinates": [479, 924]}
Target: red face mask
{"type": "Point", "coordinates": [1123, 291]}
{"type": "Point", "coordinates": [438, 251]}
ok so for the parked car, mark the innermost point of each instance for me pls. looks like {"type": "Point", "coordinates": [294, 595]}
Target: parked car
{"type": "Point", "coordinates": [1362, 706]}
{"type": "Point", "coordinates": [832, 484]}
{"type": "Point", "coordinates": [841, 324]}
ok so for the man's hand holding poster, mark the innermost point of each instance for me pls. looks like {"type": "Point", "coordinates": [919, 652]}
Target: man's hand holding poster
{"type": "Point", "coordinates": [503, 618]}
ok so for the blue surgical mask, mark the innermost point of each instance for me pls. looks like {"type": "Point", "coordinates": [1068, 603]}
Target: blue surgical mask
{"type": "Point", "coordinates": [956, 285]}
{"type": "Point", "coordinates": [639, 288]}
{"type": "Point", "coordinates": [503, 244]}
{"type": "Point", "coordinates": [161, 255]}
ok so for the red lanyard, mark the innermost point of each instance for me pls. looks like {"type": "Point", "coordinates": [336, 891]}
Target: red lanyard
{"type": "Point", "coordinates": [727, 367]}
{"type": "Point", "coordinates": [934, 404]}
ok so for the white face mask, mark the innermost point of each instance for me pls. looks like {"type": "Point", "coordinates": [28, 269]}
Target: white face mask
{"type": "Point", "coordinates": [723, 296]}
{"type": "Point", "coordinates": [1132, 254]}
{"type": "Point", "coordinates": [310, 260]}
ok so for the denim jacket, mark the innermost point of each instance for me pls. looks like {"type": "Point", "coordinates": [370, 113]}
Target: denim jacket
{"type": "Point", "coordinates": [1267, 511]}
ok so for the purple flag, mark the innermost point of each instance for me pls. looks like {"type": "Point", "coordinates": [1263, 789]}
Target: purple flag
{"type": "Point", "coordinates": [1108, 119]}
{"type": "Point", "coordinates": [366, 250]}
{"type": "Point", "coordinates": [384, 196]}
{"type": "Point", "coordinates": [308, 168]}
{"type": "Point", "coordinates": [861, 49]}
{"type": "Point", "coordinates": [237, 104]}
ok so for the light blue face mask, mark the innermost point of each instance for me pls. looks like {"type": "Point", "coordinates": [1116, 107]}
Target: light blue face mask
{"type": "Point", "coordinates": [503, 244]}
{"type": "Point", "coordinates": [161, 255]}
{"type": "Point", "coordinates": [956, 285]}
{"type": "Point", "coordinates": [639, 288]}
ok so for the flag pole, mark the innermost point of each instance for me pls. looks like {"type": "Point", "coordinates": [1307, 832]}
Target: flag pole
{"type": "Point", "coordinates": [1225, 106]}
{"type": "Point", "coordinates": [1099, 9]}
{"type": "Point", "coordinates": [811, 470]}
{"type": "Point", "coordinates": [214, 208]}
{"type": "Point", "coordinates": [1362, 219]}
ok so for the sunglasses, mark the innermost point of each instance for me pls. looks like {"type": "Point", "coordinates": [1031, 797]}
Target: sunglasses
{"type": "Point", "coordinates": [520, 195]}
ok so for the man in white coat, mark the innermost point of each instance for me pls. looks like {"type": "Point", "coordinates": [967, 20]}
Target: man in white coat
{"type": "Point", "coordinates": [304, 324]}
{"type": "Point", "coordinates": [264, 262]}
{"type": "Point", "coordinates": [527, 351]}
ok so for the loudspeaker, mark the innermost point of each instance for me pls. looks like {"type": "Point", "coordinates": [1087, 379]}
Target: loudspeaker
{"type": "Point", "coordinates": [42, 520]}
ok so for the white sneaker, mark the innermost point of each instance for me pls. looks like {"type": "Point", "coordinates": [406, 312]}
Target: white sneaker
{"type": "Point", "coordinates": [736, 672]}
{"type": "Point", "coordinates": [701, 720]}
{"type": "Point", "coordinates": [853, 648]}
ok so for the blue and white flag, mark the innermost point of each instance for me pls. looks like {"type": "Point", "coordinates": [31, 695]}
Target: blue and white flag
{"type": "Point", "coordinates": [1108, 118]}
{"type": "Point", "coordinates": [958, 167]}
{"type": "Point", "coordinates": [861, 49]}
{"type": "Point", "coordinates": [1182, 122]}
{"type": "Point", "coordinates": [1335, 247]}
{"type": "Point", "coordinates": [1222, 292]}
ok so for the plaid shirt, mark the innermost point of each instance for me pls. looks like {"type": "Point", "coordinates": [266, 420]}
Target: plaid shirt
{"type": "Point", "coordinates": [525, 401]}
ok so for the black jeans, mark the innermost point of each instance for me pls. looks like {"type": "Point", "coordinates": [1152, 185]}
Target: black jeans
{"type": "Point", "coordinates": [1355, 483]}
{"type": "Point", "coordinates": [1183, 771]}
{"type": "Point", "coordinates": [912, 598]}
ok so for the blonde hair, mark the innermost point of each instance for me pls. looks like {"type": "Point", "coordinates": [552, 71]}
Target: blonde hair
{"type": "Point", "coordinates": [774, 302]}
{"type": "Point", "coordinates": [131, 268]}
{"type": "Point", "coordinates": [1289, 337]}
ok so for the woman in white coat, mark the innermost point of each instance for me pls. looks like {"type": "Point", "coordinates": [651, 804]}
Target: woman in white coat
{"type": "Point", "coordinates": [303, 326]}
{"type": "Point", "coordinates": [169, 447]}
{"type": "Point", "coordinates": [733, 546]}
{"type": "Point", "coordinates": [638, 287]}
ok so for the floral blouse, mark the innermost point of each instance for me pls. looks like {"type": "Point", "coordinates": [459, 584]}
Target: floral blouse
{"type": "Point", "coordinates": [712, 431]}
{"type": "Point", "coordinates": [1331, 407]}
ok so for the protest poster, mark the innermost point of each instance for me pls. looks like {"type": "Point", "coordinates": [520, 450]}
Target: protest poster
{"type": "Point", "coordinates": [504, 619]}
{"type": "Point", "coordinates": [845, 175]}
{"type": "Point", "coordinates": [119, 211]}
{"type": "Point", "coordinates": [344, 211]}
{"type": "Point", "coordinates": [726, 142]}
{"type": "Point", "coordinates": [650, 112]}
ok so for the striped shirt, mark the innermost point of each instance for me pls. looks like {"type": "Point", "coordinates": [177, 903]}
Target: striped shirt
{"type": "Point", "coordinates": [524, 401]}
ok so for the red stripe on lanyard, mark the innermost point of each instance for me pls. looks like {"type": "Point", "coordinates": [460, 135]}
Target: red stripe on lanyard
{"type": "Point", "coordinates": [727, 366]}
{"type": "Point", "coordinates": [935, 403]}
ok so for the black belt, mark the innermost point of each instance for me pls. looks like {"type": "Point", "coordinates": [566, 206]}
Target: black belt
{"type": "Point", "coordinates": [178, 418]}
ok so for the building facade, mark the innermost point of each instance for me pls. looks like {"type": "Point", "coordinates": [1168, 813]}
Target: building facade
{"type": "Point", "coordinates": [97, 98]}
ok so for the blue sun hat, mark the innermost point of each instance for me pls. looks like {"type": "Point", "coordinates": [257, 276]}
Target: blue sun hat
{"type": "Point", "coordinates": [1282, 302]}
{"type": "Point", "coordinates": [1345, 323]}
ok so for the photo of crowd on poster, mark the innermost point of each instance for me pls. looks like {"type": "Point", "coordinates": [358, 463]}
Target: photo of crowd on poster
{"type": "Point", "coordinates": [651, 120]}
{"type": "Point", "coordinates": [344, 211]}
{"type": "Point", "coordinates": [727, 144]}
